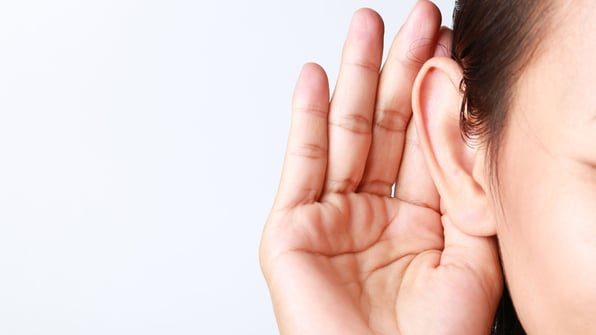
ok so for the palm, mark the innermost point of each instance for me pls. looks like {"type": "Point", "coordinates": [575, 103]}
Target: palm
{"type": "Point", "coordinates": [358, 254]}
{"type": "Point", "coordinates": [340, 252]}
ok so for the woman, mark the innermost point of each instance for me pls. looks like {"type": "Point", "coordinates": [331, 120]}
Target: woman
{"type": "Point", "coordinates": [344, 253]}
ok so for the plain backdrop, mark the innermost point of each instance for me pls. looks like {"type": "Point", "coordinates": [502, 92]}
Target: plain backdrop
{"type": "Point", "coordinates": [141, 144]}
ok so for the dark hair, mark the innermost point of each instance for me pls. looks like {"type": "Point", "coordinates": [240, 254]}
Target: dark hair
{"type": "Point", "coordinates": [493, 40]}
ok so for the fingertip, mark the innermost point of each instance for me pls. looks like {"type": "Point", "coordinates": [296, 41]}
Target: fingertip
{"type": "Point", "coordinates": [424, 11]}
{"type": "Point", "coordinates": [312, 69]}
{"type": "Point", "coordinates": [418, 36]}
{"type": "Point", "coordinates": [313, 80]}
{"type": "Point", "coordinates": [364, 42]}
{"type": "Point", "coordinates": [367, 20]}
{"type": "Point", "coordinates": [443, 48]}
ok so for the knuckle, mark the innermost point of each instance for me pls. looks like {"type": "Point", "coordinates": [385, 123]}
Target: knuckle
{"type": "Point", "coordinates": [311, 151]}
{"type": "Point", "coordinates": [392, 119]}
{"type": "Point", "coordinates": [364, 64]}
{"type": "Point", "coordinates": [353, 123]}
{"type": "Point", "coordinates": [417, 202]}
{"type": "Point", "coordinates": [376, 186]}
{"type": "Point", "coordinates": [342, 185]}
{"type": "Point", "coordinates": [311, 110]}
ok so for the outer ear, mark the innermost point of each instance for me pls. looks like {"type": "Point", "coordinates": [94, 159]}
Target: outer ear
{"type": "Point", "coordinates": [456, 168]}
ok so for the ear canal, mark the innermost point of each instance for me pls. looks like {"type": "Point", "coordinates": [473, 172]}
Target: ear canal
{"type": "Point", "coordinates": [436, 101]}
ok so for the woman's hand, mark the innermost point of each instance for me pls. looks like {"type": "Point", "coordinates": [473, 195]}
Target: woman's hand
{"type": "Point", "coordinates": [340, 252]}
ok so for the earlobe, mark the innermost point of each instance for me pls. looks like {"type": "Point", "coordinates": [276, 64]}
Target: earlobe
{"type": "Point", "coordinates": [436, 103]}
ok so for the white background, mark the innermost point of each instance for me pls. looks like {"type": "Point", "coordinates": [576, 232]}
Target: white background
{"type": "Point", "coordinates": [140, 148]}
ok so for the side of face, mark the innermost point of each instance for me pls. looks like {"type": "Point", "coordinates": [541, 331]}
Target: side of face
{"type": "Point", "coordinates": [546, 215]}
{"type": "Point", "coordinates": [543, 205]}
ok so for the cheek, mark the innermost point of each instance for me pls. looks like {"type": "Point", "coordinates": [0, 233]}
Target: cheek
{"type": "Point", "coordinates": [547, 235]}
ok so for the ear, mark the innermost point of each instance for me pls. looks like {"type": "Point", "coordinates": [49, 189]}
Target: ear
{"type": "Point", "coordinates": [457, 169]}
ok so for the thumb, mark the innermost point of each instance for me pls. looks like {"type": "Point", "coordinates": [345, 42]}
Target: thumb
{"type": "Point", "coordinates": [478, 254]}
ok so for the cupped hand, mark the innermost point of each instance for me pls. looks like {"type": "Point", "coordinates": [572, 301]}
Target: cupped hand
{"type": "Point", "coordinates": [355, 242]}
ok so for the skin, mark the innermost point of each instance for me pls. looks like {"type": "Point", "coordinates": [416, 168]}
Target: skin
{"type": "Point", "coordinates": [340, 253]}
{"type": "Point", "coordinates": [548, 190]}
{"type": "Point", "coordinates": [543, 208]}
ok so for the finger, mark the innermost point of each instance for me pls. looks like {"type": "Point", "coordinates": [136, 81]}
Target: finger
{"type": "Point", "coordinates": [305, 162]}
{"type": "Point", "coordinates": [412, 46]}
{"type": "Point", "coordinates": [480, 255]}
{"type": "Point", "coordinates": [443, 48]}
{"type": "Point", "coordinates": [353, 102]}
{"type": "Point", "coordinates": [414, 183]}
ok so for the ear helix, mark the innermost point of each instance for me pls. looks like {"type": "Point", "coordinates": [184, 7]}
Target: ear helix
{"type": "Point", "coordinates": [436, 101]}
